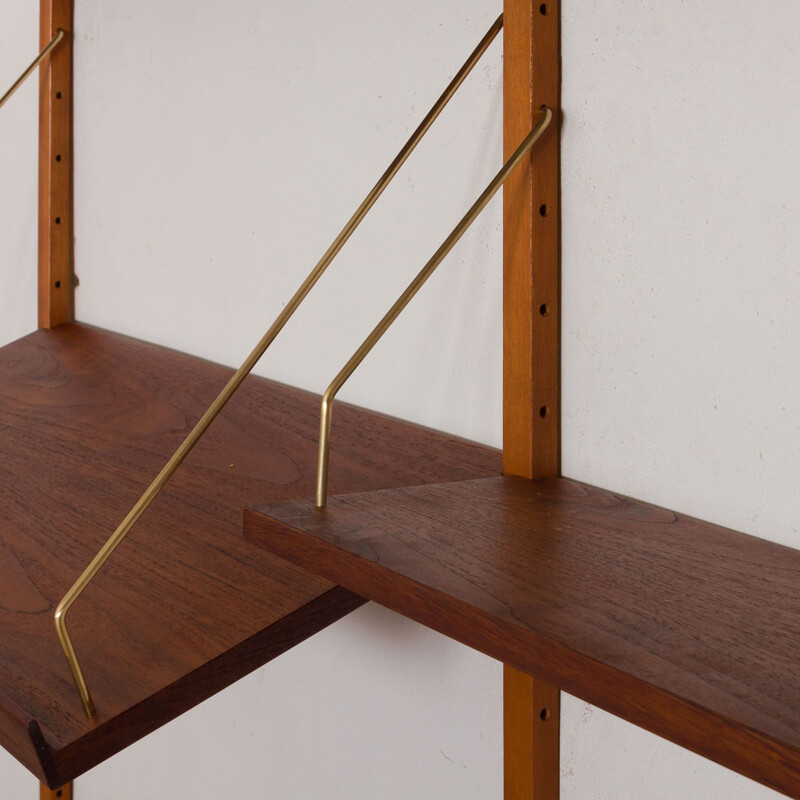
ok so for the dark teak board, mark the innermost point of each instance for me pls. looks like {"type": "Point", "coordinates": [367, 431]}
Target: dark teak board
{"type": "Point", "coordinates": [685, 628]}
{"type": "Point", "coordinates": [185, 606]}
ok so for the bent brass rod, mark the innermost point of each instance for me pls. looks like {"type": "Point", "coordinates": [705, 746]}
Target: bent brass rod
{"type": "Point", "coordinates": [38, 60]}
{"type": "Point", "coordinates": [327, 399]}
{"type": "Point", "coordinates": [233, 384]}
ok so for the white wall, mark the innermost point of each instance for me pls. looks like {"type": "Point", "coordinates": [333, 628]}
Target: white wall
{"type": "Point", "coordinates": [19, 129]}
{"type": "Point", "coordinates": [220, 148]}
{"type": "Point", "coordinates": [218, 154]}
{"type": "Point", "coordinates": [681, 292]}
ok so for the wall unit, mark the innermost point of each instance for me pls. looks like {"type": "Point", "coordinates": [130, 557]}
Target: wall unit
{"type": "Point", "coordinates": [647, 660]}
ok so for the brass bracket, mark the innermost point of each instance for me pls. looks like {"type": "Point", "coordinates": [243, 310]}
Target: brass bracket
{"type": "Point", "coordinates": [54, 42]}
{"type": "Point", "coordinates": [238, 377]}
{"type": "Point", "coordinates": [545, 115]}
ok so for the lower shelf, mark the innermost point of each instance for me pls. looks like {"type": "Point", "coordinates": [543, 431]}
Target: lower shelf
{"type": "Point", "coordinates": [687, 629]}
{"type": "Point", "coordinates": [185, 606]}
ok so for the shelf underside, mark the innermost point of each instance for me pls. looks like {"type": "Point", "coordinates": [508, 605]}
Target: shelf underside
{"type": "Point", "coordinates": [682, 627]}
{"type": "Point", "coordinates": [185, 606]}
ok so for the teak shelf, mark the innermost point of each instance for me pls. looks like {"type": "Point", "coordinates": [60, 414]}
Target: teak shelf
{"type": "Point", "coordinates": [682, 627]}
{"type": "Point", "coordinates": [188, 607]}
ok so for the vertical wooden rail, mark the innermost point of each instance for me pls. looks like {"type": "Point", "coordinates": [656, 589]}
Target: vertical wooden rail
{"type": "Point", "coordinates": [64, 793]}
{"type": "Point", "coordinates": [55, 168]}
{"type": "Point", "coordinates": [531, 348]}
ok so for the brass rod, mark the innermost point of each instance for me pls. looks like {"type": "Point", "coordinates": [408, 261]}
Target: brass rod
{"type": "Point", "coordinates": [394, 312]}
{"type": "Point", "coordinates": [233, 384]}
{"type": "Point", "coordinates": [38, 60]}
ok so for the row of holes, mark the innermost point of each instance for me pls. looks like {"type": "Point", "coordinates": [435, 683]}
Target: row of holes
{"type": "Point", "coordinates": [58, 157]}
{"type": "Point", "coordinates": [544, 310]}
{"type": "Point", "coordinates": [57, 284]}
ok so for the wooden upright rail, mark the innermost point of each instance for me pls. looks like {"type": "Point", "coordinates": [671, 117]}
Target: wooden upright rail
{"type": "Point", "coordinates": [55, 168]}
{"type": "Point", "coordinates": [531, 348]}
{"type": "Point", "coordinates": [64, 793]}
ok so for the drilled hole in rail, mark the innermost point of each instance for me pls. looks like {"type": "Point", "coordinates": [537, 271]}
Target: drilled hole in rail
{"type": "Point", "coordinates": [59, 793]}
{"type": "Point", "coordinates": [544, 714]}
{"type": "Point", "coordinates": [543, 9]}
{"type": "Point", "coordinates": [58, 158]}
{"type": "Point", "coordinates": [543, 210]}
{"type": "Point", "coordinates": [58, 95]}
{"type": "Point", "coordinates": [58, 220]}
{"type": "Point", "coordinates": [544, 411]}
{"type": "Point", "coordinates": [57, 284]}
{"type": "Point", "coordinates": [544, 310]}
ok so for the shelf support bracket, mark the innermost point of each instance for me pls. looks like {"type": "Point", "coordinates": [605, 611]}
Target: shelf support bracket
{"type": "Point", "coordinates": [545, 115]}
{"type": "Point", "coordinates": [244, 370]}
{"type": "Point", "coordinates": [51, 45]}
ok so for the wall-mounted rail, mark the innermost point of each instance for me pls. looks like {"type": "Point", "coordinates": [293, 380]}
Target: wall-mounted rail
{"type": "Point", "coordinates": [394, 312]}
{"type": "Point", "coordinates": [244, 370]}
{"type": "Point", "coordinates": [54, 42]}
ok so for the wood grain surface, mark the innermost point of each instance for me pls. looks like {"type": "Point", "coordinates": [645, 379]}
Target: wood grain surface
{"type": "Point", "coordinates": [185, 606]}
{"type": "Point", "coordinates": [682, 627]}
{"type": "Point", "coordinates": [56, 275]}
{"type": "Point", "coordinates": [531, 243]}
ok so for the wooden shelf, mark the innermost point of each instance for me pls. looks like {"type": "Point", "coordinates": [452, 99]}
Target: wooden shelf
{"type": "Point", "coordinates": [185, 607]}
{"type": "Point", "coordinates": [682, 627]}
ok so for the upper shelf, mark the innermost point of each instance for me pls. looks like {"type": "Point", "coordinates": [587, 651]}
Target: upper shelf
{"type": "Point", "coordinates": [185, 607]}
{"type": "Point", "coordinates": [684, 628]}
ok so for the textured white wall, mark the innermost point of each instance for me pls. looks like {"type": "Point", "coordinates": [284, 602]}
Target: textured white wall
{"type": "Point", "coordinates": [19, 127]}
{"type": "Point", "coordinates": [681, 292]}
{"type": "Point", "coordinates": [218, 150]}
{"type": "Point", "coordinates": [218, 154]}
